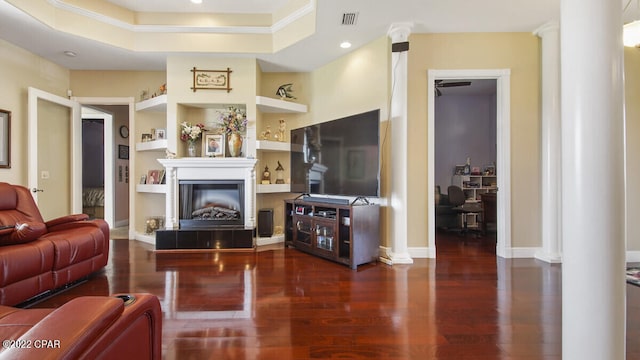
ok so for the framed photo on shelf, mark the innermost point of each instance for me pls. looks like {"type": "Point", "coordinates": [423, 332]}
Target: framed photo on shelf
{"type": "Point", "coordinates": [153, 177]}
{"type": "Point", "coordinates": [213, 145]}
{"type": "Point", "coordinates": [160, 134]}
{"type": "Point", "coordinates": [147, 137]}
{"type": "Point", "coordinates": [161, 179]}
{"type": "Point", "coordinates": [459, 170]}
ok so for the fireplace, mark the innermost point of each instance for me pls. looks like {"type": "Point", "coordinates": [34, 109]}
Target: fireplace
{"type": "Point", "coordinates": [223, 173]}
{"type": "Point", "coordinates": [206, 204]}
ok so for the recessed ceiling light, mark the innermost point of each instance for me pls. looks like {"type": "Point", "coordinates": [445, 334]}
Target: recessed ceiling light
{"type": "Point", "coordinates": [196, 1]}
{"type": "Point", "coordinates": [70, 53]}
{"type": "Point", "coordinates": [345, 44]}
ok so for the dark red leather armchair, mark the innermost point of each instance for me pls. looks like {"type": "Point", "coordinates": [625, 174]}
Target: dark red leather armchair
{"type": "Point", "coordinates": [37, 256]}
{"type": "Point", "coordinates": [92, 327]}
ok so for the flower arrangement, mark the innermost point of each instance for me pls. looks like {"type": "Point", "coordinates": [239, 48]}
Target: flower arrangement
{"type": "Point", "coordinates": [233, 120]}
{"type": "Point", "coordinates": [191, 133]}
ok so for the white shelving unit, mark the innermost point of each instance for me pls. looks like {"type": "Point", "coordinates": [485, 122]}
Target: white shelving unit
{"type": "Point", "coordinates": [152, 188]}
{"type": "Point", "coordinates": [158, 105]}
{"type": "Point", "coordinates": [155, 104]}
{"type": "Point", "coordinates": [154, 145]}
{"type": "Point", "coordinates": [273, 188]}
{"type": "Point", "coordinates": [275, 106]}
{"type": "Point", "coordinates": [270, 105]}
{"type": "Point", "coordinates": [474, 185]}
{"type": "Point", "coordinates": [267, 145]}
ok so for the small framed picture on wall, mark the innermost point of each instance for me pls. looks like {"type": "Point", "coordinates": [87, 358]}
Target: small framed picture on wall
{"type": "Point", "coordinates": [123, 152]}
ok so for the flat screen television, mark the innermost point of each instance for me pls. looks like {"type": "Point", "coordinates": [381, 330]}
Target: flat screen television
{"type": "Point", "coordinates": [338, 157]}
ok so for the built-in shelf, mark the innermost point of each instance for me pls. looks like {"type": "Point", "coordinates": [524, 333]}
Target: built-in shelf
{"type": "Point", "coordinates": [267, 145]}
{"type": "Point", "coordinates": [151, 188]}
{"type": "Point", "coordinates": [158, 104]}
{"type": "Point", "coordinates": [273, 188]}
{"type": "Point", "coordinates": [153, 145]}
{"type": "Point", "coordinates": [270, 105]}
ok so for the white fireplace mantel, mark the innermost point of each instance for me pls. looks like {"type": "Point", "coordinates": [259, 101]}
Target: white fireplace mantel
{"type": "Point", "coordinates": [200, 168]}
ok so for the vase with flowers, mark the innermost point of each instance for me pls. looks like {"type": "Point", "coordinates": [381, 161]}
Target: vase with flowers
{"type": "Point", "coordinates": [234, 123]}
{"type": "Point", "coordinates": [191, 134]}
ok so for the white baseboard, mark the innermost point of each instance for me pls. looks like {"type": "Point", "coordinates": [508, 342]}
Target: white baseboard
{"type": "Point", "coordinates": [121, 223]}
{"type": "Point", "coordinates": [149, 239]}
{"type": "Point", "coordinates": [275, 239]}
{"type": "Point", "coordinates": [633, 256]}
{"type": "Point", "coordinates": [422, 252]}
{"type": "Point", "coordinates": [521, 252]}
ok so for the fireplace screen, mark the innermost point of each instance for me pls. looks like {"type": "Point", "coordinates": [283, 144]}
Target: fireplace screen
{"type": "Point", "coordinates": [211, 203]}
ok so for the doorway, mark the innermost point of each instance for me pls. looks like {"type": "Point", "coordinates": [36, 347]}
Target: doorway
{"type": "Point", "coordinates": [465, 156]}
{"type": "Point", "coordinates": [502, 167]}
{"type": "Point", "coordinates": [115, 115]}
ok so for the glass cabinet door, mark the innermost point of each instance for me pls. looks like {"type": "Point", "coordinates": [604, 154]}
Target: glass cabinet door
{"type": "Point", "coordinates": [325, 237]}
{"type": "Point", "coordinates": [303, 231]}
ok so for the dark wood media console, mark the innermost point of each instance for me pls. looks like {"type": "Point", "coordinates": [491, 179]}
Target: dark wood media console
{"type": "Point", "coordinates": [347, 234]}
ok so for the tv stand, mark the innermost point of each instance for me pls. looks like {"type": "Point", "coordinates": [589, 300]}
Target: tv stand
{"type": "Point", "coordinates": [317, 199]}
{"type": "Point", "coordinates": [348, 234]}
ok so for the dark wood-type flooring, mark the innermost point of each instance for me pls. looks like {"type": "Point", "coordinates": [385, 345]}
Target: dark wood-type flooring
{"type": "Point", "coordinates": [279, 303]}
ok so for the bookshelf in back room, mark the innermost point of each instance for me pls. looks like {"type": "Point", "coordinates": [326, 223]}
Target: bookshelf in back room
{"type": "Point", "coordinates": [272, 150]}
{"type": "Point", "coordinates": [150, 115]}
{"type": "Point", "coordinates": [473, 187]}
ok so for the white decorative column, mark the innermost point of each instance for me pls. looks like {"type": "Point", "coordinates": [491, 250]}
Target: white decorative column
{"type": "Point", "coordinates": [551, 145]}
{"type": "Point", "coordinates": [399, 33]}
{"type": "Point", "coordinates": [593, 259]}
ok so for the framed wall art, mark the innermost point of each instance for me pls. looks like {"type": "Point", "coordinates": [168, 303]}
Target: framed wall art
{"type": "Point", "coordinates": [5, 139]}
{"type": "Point", "coordinates": [123, 152]}
{"type": "Point", "coordinates": [211, 79]}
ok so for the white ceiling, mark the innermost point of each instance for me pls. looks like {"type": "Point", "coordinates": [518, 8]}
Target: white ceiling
{"type": "Point", "coordinates": [374, 20]}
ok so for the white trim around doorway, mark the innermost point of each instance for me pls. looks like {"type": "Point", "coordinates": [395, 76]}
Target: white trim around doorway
{"type": "Point", "coordinates": [109, 150]}
{"type": "Point", "coordinates": [503, 153]}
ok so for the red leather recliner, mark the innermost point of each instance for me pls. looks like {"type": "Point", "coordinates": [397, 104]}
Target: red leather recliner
{"type": "Point", "coordinates": [92, 327]}
{"type": "Point", "coordinates": [37, 256]}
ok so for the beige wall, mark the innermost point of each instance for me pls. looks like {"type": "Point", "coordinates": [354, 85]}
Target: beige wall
{"type": "Point", "coordinates": [20, 69]}
{"type": "Point", "coordinates": [519, 52]}
{"type": "Point", "coordinates": [353, 84]}
{"type": "Point", "coordinates": [632, 118]}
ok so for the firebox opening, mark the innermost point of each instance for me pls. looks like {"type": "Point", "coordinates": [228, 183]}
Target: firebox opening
{"type": "Point", "coordinates": [211, 203]}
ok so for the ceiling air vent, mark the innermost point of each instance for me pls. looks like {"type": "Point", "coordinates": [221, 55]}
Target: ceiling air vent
{"type": "Point", "coordinates": [349, 18]}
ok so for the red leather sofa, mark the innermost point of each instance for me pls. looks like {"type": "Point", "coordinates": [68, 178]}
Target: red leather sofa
{"type": "Point", "coordinates": [91, 327]}
{"type": "Point", "coordinates": [37, 257]}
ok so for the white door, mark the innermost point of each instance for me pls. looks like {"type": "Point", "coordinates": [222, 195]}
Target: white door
{"type": "Point", "coordinates": [109, 186]}
{"type": "Point", "coordinates": [54, 154]}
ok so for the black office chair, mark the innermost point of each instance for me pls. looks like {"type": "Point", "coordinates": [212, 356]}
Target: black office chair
{"type": "Point", "coordinates": [459, 201]}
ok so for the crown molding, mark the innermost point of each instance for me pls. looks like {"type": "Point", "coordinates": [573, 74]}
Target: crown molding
{"type": "Point", "coordinates": [299, 13]}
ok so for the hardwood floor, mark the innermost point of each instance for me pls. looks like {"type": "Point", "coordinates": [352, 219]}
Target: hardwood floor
{"type": "Point", "coordinates": [283, 304]}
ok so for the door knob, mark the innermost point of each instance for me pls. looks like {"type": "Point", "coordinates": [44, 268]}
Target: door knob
{"type": "Point", "coordinates": [37, 190]}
